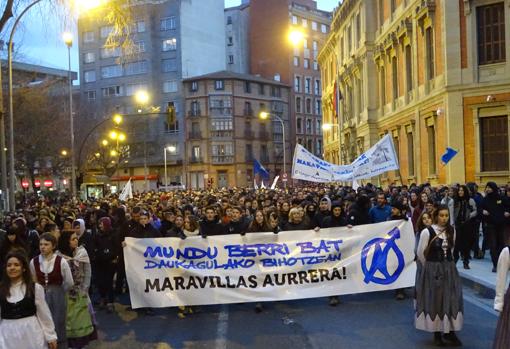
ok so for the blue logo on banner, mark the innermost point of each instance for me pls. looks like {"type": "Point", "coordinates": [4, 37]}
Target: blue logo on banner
{"type": "Point", "coordinates": [382, 246]}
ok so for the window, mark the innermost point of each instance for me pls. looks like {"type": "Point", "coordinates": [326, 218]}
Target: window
{"type": "Point", "coordinates": [247, 109]}
{"type": "Point", "coordinates": [409, 69]}
{"type": "Point", "coordinates": [88, 37]}
{"type": "Point", "coordinates": [294, 20]}
{"type": "Point", "coordinates": [170, 86]}
{"type": "Point", "coordinates": [167, 23]}
{"type": "Point", "coordinates": [169, 44]}
{"type": "Point", "coordinates": [110, 52]}
{"type": "Point", "coordinates": [394, 69]}
{"type": "Point", "coordinates": [349, 40]}
{"type": "Point", "coordinates": [318, 107]}
{"type": "Point", "coordinates": [247, 87]}
{"type": "Point", "coordinates": [318, 151]}
{"type": "Point", "coordinates": [194, 86]}
{"type": "Point", "coordinates": [261, 89]}
{"type": "Point", "coordinates": [195, 153]}
{"type": "Point", "coordinates": [314, 25]}
{"type": "Point", "coordinates": [491, 33]}
{"type": "Point", "coordinates": [306, 63]}
{"type": "Point", "coordinates": [431, 137]}
{"type": "Point", "coordinates": [169, 65]}
{"type": "Point", "coordinates": [229, 19]}
{"type": "Point", "coordinates": [318, 125]}
{"type": "Point", "coordinates": [139, 46]}
{"type": "Point", "coordinates": [195, 109]}
{"type": "Point", "coordinates": [429, 40]}
{"type": "Point", "coordinates": [297, 84]}
{"type": "Point", "coordinates": [410, 154]}
{"type": "Point", "coordinates": [494, 143]}
{"type": "Point", "coordinates": [308, 106]}
{"type": "Point", "coordinates": [111, 71]}
{"type": "Point", "coordinates": [296, 61]}
{"type": "Point", "coordinates": [230, 59]}
{"type": "Point", "coordinates": [111, 91]}
{"type": "Point", "coordinates": [230, 41]}
{"type": "Point", "coordinates": [324, 28]}
{"type": "Point", "coordinates": [172, 128]}
{"type": "Point", "coordinates": [89, 57]}
{"type": "Point", "coordinates": [315, 65]}
{"type": "Point", "coordinates": [299, 125]}
{"type": "Point", "coordinates": [89, 75]}
{"type": "Point", "coordinates": [219, 85]}
{"type": "Point", "coordinates": [140, 26]}
{"type": "Point", "coordinates": [304, 23]}
{"type": "Point", "coordinates": [90, 95]}
{"type": "Point", "coordinates": [382, 87]}
{"type": "Point", "coordinates": [222, 125]}
{"type": "Point", "coordinates": [135, 68]}
{"type": "Point", "coordinates": [305, 43]}
{"type": "Point", "coordinates": [308, 85]}
{"type": "Point", "coordinates": [298, 104]}
{"type": "Point", "coordinates": [249, 152]}
{"type": "Point", "coordinates": [222, 149]}
{"type": "Point", "coordinates": [131, 89]}
{"type": "Point", "coordinates": [317, 87]}
{"type": "Point", "coordinates": [106, 30]}
{"type": "Point", "coordinates": [276, 91]}
{"type": "Point", "coordinates": [309, 145]}
{"type": "Point", "coordinates": [358, 31]}
{"type": "Point", "coordinates": [315, 45]}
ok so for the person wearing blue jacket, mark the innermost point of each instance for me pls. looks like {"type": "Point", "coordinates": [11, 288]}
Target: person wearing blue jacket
{"type": "Point", "coordinates": [381, 211]}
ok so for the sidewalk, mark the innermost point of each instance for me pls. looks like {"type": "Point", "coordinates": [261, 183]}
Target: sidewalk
{"type": "Point", "coordinates": [480, 277]}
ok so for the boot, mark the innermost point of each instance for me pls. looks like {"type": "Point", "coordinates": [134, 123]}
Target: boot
{"type": "Point", "coordinates": [466, 264]}
{"type": "Point", "coordinates": [453, 339]}
{"type": "Point", "coordinates": [438, 340]}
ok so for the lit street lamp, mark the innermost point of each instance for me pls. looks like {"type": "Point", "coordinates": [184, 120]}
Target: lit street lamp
{"type": "Point", "coordinates": [172, 149]}
{"type": "Point", "coordinates": [142, 99]}
{"type": "Point", "coordinates": [296, 36]}
{"type": "Point", "coordinates": [264, 116]}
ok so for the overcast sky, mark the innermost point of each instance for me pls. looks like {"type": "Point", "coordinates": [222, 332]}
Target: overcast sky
{"type": "Point", "coordinates": [39, 40]}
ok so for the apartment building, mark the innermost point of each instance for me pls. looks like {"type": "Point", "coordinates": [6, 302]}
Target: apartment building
{"type": "Point", "coordinates": [237, 20]}
{"type": "Point", "coordinates": [433, 74]}
{"type": "Point", "coordinates": [224, 131]}
{"type": "Point", "coordinates": [173, 40]}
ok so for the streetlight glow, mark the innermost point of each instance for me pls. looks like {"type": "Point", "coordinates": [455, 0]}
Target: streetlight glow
{"type": "Point", "coordinates": [171, 148]}
{"type": "Point", "coordinates": [113, 135]}
{"type": "Point", "coordinates": [113, 152]}
{"type": "Point", "coordinates": [327, 127]}
{"type": "Point", "coordinates": [122, 137]}
{"type": "Point", "coordinates": [117, 119]}
{"type": "Point", "coordinates": [296, 36]}
{"type": "Point", "coordinates": [142, 97]}
{"type": "Point", "coordinates": [97, 155]}
{"type": "Point", "coordinates": [86, 5]}
{"type": "Point", "coordinates": [264, 115]}
{"type": "Point", "coordinates": [104, 142]}
{"type": "Point", "coordinates": [64, 152]}
{"type": "Point", "coordinates": [68, 38]}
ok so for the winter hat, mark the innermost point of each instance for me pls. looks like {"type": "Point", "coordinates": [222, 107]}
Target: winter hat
{"type": "Point", "coordinates": [493, 186]}
{"type": "Point", "coordinates": [336, 204]}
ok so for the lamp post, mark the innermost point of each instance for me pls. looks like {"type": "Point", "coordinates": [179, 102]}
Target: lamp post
{"type": "Point", "coordinates": [171, 149]}
{"type": "Point", "coordinates": [264, 116]}
{"type": "Point", "coordinates": [142, 99]}
{"type": "Point", "coordinates": [329, 127]}
{"type": "Point", "coordinates": [68, 40]}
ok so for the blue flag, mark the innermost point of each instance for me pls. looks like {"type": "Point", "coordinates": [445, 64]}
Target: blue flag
{"type": "Point", "coordinates": [258, 169]}
{"type": "Point", "coordinates": [450, 154]}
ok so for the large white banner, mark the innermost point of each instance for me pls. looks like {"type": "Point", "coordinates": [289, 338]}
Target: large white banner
{"type": "Point", "coordinates": [268, 267]}
{"type": "Point", "coordinates": [378, 159]}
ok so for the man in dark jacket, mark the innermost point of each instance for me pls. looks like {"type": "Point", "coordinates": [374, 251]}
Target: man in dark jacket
{"type": "Point", "coordinates": [358, 212]}
{"type": "Point", "coordinates": [145, 229]}
{"type": "Point", "coordinates": [494, 217]}
{"type": "Point", "coordinates": [323, 212]}
{"type": "Point", "coordinates": [167, 223]}
{"type": "Point", "coordinates": [177, 230]}
{"type": "Point", "coordinates": [211, 225]}
{"type": "Point", "coordinates": [238, 223]}
{"type": "Point", "coordinates": [337, 218]}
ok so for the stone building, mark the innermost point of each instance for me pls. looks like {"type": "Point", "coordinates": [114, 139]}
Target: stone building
{"type": "Point", "coordinates": [433, 74]}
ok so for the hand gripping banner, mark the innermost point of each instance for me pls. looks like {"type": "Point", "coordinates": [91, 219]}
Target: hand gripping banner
{"type": "Point", "coordinates": [261, 267]}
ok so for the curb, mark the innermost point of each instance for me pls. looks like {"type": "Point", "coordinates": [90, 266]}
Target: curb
{"type": "Point", "coordinates": [482, 288]}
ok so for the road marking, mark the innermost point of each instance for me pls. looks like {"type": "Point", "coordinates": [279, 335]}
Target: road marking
{"type": "Point", "coordinates": [221, 332]}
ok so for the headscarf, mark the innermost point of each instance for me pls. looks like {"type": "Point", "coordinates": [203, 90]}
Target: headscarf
{"type": "Point", "coordinates": [107, 223]}
{"type": "Point", "coordinates": [81, 230]}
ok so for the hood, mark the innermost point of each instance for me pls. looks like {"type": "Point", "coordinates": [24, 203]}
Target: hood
{"type": "Point", "coordinates": [493, 186]}
{"type": "Point", "coordinates": [328, 200]}
{"type": "Point", "coordinates": [107, 223]}
{"type": "Point", "coordinates": [82, 227]}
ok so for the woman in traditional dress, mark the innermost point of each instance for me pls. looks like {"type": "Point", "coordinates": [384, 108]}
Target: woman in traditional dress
{"type": "Point", "coordinates": [439, 303]}
{"type": "Point", "coordinates": [502, 301]}
{"type": "Point", "coordinates": [79, 324]}
{"type": "Point", "coordinates": [52, 272]}
{"type": "Point", "coordinates": [25, 320]}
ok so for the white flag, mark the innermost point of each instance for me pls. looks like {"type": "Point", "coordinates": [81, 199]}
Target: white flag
{"type": "Point", "coordinates": [262, 186]}
{"type": "Point", "coordinates": [127, 191]}
{"type": "Point", "coordinates": [274, 182]}
{"type": "Point", "coordinates": [255, 186]}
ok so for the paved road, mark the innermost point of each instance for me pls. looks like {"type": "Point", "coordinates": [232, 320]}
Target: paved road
{"type": "Point", "coordinates": [372, 320]}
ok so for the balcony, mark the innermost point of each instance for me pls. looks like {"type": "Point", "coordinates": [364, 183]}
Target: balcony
{"type": "Point", "coordinates": [195, 135]}
{"type": "Point", "coordinates": [221, 111]}
{"type": "Point", "coordinates": [196, 160]}
{"type": "Point", "coordinates": [249, 134]}
{"type": "Point", "coordinates": [248, 112]}
{"type": "Point", "coordinates": [222, 159]}
{"type": "Point", "coordinates": [221, 134]}
{"type": "Point", "coordinates": [194, 112]}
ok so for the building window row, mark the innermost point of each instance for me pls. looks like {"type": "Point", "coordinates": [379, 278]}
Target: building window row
{"type": "Point", "coordinates": [168, 23]}
{"type": "Point", "coordinates": [295, 20]}
{"type": "Point", "coordinates": [307, 85]}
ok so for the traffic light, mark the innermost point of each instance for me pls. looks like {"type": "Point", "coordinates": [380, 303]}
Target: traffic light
{"type": "Point", "coordinates": [170, 114]}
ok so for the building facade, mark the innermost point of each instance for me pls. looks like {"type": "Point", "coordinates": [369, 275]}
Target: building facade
{"type": "Point", "coordinates": [224, 132]}
{"type": "Point", "coordinates": [433, 74]}
{"type": "Point", "coordinates": [237, 21]}
{"type": "Point", "coordinates": [273, 56]}
{"type": "Point", "coordinates": [173, 40]}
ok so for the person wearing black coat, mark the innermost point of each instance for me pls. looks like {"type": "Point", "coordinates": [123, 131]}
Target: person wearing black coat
{"type": "Point", "coordinates": [238, 224]}
{"type": "Point", "coordinates": [144, 229]}
{"type": "Point", "coordinates": [358, 212]}
{"type": "Point", "coordinates": [323, 212]}
{"type": "Point", "coordinates": [337, 218]}
{"type": "Point", "coordinates": [106, 256]}
{"type": "Point", "coordinates": [296, 221]}
{"type": "Point", "coordinates": [168, 222]}
{"type": "Point", "coordinates": [495, 212]}
{"type": "Point", "coordinates": [121, 230]}
{"type": "Point", "coordinates": [211, 225]}
{"type": "Point", "coordinates": [177, 231]}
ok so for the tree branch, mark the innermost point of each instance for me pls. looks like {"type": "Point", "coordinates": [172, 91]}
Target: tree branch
{"type": "Point", "coordinates": [7, 14]}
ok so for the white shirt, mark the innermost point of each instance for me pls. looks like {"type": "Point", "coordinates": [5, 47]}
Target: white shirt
{"type": "Point", "coordinates": [47, 265]}
{"type": "Point", "coordinates": [501, 282]}
{"type": "Point", "coordinates": [424, 241]}
{"type": "Point", "coordinates": [43, 314]}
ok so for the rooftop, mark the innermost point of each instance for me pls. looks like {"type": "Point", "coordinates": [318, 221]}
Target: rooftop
{"type": "Point", "coordinates": [235, 76]}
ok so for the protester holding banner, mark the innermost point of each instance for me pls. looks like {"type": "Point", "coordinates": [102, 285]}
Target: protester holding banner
{"type": "Point", "coordinates": [191, 226]}
{"type": "Point", "coordinates": [211, 225]}
{"type": "Point", "coordinates": [502, 301]}
{"type": "Point", "coordinates": [439, 302]}
{"type": "Point", "coordinates": [337, 218]}
{"type": "Point", "coordinates": [259, 223]}
{"type": "Point", "coordinates": [296, 221]}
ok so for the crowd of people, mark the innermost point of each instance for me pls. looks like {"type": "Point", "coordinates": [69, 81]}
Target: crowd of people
{"type": "Point", "coordinates": [56, 255]}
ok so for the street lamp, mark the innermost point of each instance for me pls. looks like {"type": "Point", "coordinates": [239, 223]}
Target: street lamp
{"type": "Point", "coordinates": [172, 149]}
{"type": "Point", "coordinates": [104, 142]}
{"type": "Point", "coordinates": [121, 137]}
{"type": "Point", "coordinates": [63, 152]}
{"type": "Point", "coordinates": [113, 135]}
{"type": "Point", "coordinates": [264, 116]}
{"type": "Point", "coordinates": [142, 99]}
{"type": "Point", "coordinates": [117, 119]}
